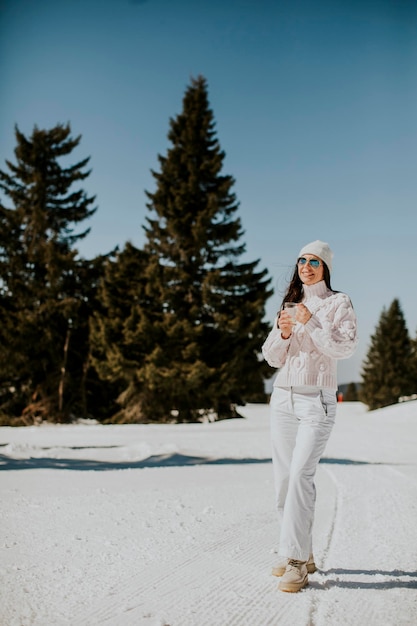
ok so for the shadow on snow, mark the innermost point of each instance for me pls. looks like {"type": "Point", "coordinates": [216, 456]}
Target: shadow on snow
{"type": "Point", "coordinates": [155, 461]}
{"type": "Point", "coordinates": [363, 584]}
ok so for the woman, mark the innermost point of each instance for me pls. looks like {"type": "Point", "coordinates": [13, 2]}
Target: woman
{"type": "Point", "coordinates": [303, 402]}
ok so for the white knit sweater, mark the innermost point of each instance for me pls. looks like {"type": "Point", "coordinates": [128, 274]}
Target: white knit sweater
{"type": "Point", "coordinates": [309, 356]}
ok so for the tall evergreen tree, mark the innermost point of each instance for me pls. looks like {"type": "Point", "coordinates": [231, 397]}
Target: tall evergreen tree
{"type": "Point", "coordinates": [196, 332]}
{"type": "Point", "coordinates": [207, 323]}
{"type": "Point", "coordinates": [43, 287]}
{"type": "Point", "coordinates": [387, 369]}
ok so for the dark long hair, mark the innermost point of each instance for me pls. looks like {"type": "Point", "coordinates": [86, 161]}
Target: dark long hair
{"type": "Point", "coordinates": [295, 289]}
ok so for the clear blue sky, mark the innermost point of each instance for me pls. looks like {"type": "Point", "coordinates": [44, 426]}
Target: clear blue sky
{"type": "Point", "coordinates": [315, 106]}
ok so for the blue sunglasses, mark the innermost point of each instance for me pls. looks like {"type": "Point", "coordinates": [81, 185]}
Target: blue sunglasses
{"type": "Point", "coordinates": [312, 262]}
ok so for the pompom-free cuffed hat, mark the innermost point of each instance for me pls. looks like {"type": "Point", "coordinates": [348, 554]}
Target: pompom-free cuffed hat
{"type": "Point", "coordinates": [319, 249]}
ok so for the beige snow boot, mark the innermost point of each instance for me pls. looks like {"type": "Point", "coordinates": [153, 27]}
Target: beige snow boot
{"type": "Point", "coordinates": [280, 567]}
{"type": "Point", "coordinates": [295, 576]}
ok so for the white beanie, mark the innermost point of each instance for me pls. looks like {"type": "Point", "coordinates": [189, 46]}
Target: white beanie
{"type": "Point", "coordinates": [320, 249]}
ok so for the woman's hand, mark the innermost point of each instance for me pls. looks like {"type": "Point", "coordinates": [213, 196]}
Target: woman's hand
{"type": "Point", "coordinates": [285, 324]}
{"type": "Point", "coordinates": [303, 314]}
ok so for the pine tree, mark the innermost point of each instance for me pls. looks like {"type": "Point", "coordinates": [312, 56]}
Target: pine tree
{"type": "Point", "coordinates": [351, 394]}
{"type": "Point", "coordinates": [119, 337]}
{"type": "Point", "coordinates": [413, 366]}
{"type": "Point", "coordinates": [196, 327]}
{"type": "Point", "coordinates": [387, 371]}
{"type": "Point", "coordinates": [43, 287]}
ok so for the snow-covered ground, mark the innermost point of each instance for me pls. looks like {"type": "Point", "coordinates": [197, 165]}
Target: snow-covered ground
{"type": "Point", "coordinates": [175, 525]}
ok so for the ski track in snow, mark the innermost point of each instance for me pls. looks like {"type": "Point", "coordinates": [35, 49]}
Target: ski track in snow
{"type": "Point", "coordinates": [226, 581]}
{"type": "Point", "coordinates": [249, 595]}
{"type": "Point", "coordinates": [382, 514]}
{"type": "Point", "coordinates": [193, 545]}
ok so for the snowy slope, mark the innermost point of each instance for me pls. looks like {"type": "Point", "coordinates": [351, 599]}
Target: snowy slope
{"type": "Point", "coordinates": [174, 525]}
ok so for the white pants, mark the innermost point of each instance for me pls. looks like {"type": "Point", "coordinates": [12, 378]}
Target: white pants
{"type": "Point", "coordinates": [302, 419]}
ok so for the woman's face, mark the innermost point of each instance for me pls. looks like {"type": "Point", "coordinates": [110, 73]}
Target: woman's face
{"type": "Point", "coordinates": [309, 275]}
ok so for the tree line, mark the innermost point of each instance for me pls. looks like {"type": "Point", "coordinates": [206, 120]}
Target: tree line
{"type": "Point", "coordinates": [169, 332]}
